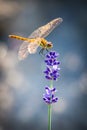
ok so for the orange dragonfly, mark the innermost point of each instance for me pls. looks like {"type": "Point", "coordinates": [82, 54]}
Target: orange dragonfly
{"type": "Point", "coordinates": [36, 39]}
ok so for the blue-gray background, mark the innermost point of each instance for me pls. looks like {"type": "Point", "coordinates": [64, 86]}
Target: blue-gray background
{"type": "Point", "coordinates": [22, 83]}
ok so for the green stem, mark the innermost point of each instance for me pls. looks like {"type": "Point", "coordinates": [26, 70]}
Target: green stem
{"type": "Point", "coordinates": [51, 83]}
{"type": "Point", "coordinates": [49, 110]}
{"type": "Point", "coordinates": [49, 117]}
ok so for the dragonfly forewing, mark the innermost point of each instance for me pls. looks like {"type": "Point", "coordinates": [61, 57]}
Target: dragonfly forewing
{"type": "Point", "coordinates": [45, 30]}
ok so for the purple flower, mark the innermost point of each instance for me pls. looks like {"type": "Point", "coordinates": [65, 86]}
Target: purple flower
{"type": "Point", "coordinates": [51, 58]}
{"type": "Point", "coordinates": [52, 69]}
{"type": "Point", "coordinates": [49, 97]}
{"type": "Point", "coordinates": [52, 73]}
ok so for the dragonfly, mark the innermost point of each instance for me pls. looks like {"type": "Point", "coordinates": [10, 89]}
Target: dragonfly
{"type": "Point", "coordinates": [36, 39]}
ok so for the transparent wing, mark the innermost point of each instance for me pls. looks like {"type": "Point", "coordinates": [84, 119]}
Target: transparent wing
{"type": "Point", "coordinates": [32, 47]}
{"type": "Point", "coordinates": [23, 50]}
{"type": "Point", "coordinates": [46, 29]}
{"type": "Point", "coordinates": [28, 47]}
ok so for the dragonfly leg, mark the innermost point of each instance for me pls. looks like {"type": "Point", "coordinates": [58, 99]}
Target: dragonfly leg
{"type": "Point", "coordinates": [47, 50]}
{"type": "Point", "coordinates": [41, 52]}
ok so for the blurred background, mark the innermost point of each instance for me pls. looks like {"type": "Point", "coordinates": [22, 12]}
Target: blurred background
{"type": "Point", "coordinates": [22, 82]}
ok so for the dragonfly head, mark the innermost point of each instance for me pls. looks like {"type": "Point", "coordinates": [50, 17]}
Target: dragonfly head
{"type": "Point", "coordinates": [49, 45]}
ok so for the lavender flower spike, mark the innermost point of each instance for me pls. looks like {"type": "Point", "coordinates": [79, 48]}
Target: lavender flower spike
{"type": "Point", "coordinates": [49, 97]}
{"type": "Point", "coordinates": [52, 69]}
{"type": "Point", "coordinates": [51, 58]}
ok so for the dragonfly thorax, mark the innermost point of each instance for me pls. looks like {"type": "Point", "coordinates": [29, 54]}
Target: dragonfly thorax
{"type": "Point", "coordinates": [45, 44]}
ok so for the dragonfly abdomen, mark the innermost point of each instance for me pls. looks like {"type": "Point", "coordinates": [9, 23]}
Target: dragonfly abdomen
{"type": "Point", "coordinates": [20, 38]}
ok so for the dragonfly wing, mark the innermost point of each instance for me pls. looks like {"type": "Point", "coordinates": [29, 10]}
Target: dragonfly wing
{"type": "Point", "coordinates": [44, 31]}
{"type": "Point", "coordinates": [23, 50]}
{"type": "Point", "coordinates": [32, 47]}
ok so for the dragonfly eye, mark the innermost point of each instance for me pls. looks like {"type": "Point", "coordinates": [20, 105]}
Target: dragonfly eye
{"type": "Point", "coordinates": [49, 45]}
